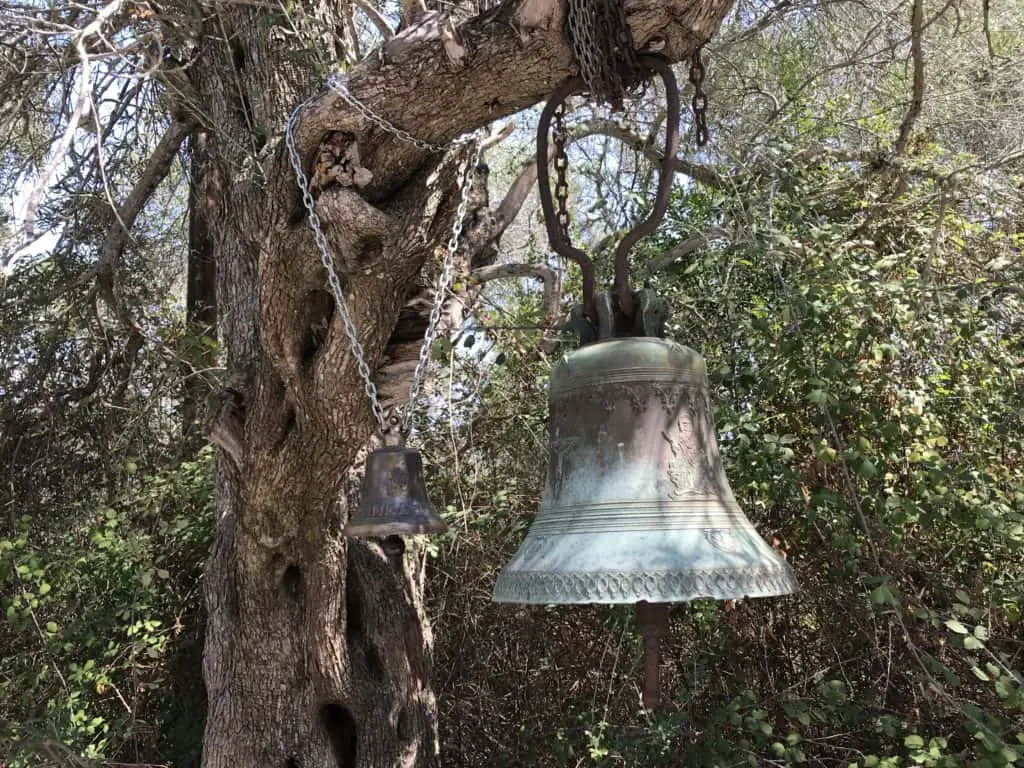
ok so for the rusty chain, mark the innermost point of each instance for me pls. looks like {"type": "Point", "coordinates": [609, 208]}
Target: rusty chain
{"type": "Point", "coordinates": [560, 138]}
{"type": "Point", "coordinates": [602, 45]}
{"type": "Point", "coordinates": [699, 103]}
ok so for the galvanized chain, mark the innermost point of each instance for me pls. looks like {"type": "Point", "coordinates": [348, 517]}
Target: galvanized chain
{"type": "Point", "coordinates": [444, 280]}
{"type": "Point", "coordinates": [333, 279]}
{"type": "Point", "coordinates": [602, 44]}
{"type": "Point", "coordinates": [560, 137]}
{"type": "Point", "coordinates": [700, 99]}
{"type": "Point", "coordinates": [337, 84]}
{"type": "Point", "coordinates": [332, 275]}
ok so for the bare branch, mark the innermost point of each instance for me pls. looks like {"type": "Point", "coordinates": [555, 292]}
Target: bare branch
{"type": "Point", "coordinates": [376, 18]}
{"type": "Point", "coordinates": [157, 167]}
{"type": "Point", "coordinates": [917, 98]}
{"type": "Point", "coordinates": [542, 272]}
{"type": "Point", "coordinates": [523, 185]}
{"type": "Point", "coordinates": [498, 136]}
{"type": "Point", "coordinates": [702, 173]}
{"type": "Point", "coordinates": [683, 249]}
{"type": "Point", "coordinates": [84, 88]}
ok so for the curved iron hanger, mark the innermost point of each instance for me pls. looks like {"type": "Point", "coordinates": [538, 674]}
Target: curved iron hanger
{"type": "Point", "coordinates": [559, 240]}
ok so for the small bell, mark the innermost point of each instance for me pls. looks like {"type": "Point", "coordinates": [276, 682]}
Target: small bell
{"type": "Point", "coordinates": [393, 497]}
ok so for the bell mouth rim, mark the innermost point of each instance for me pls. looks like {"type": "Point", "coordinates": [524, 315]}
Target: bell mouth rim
{"type": "Point", "coordinates": [617, 587]}
{"type": "Point", "coordinates": [620, 339]}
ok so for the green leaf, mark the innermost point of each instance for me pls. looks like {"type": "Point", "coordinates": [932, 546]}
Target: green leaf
{"type": "Point", "coordinates": [866, 468]}
{"type": "Point", "coordinates": [819, 397]}
{"type": "Point", "coordinates": [882, 595]}
{"type": "Point", "coordinates": [972, 643]}
{"type": "Point", "coordinates": [913, 741]}
{"type": "Point", "coordinates": [956, 626]}
{"type": "Point", "coordinates": [51, 627]}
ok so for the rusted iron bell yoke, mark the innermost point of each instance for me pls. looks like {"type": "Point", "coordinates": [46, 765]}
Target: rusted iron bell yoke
{"type": "Point", "coordinates": [636, 507]}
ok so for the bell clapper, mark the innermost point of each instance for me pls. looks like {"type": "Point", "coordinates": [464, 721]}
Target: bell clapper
{"type": "Point", "coordinates": [652, 620]}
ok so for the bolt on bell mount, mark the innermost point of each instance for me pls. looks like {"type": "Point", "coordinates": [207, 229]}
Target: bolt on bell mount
{"type": "Point", "coordinates": [636, 506]}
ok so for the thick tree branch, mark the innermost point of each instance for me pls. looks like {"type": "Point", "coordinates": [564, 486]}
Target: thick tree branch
{"type": "Point", "coordinates": [917, 97]}
{"type": "Point", "coordinates": [412, 83]}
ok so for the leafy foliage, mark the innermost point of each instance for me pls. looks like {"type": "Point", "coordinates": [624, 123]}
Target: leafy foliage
{"type": "Point", "coordinates": [94, 610]}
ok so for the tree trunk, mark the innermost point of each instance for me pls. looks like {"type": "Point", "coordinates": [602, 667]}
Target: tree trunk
{"type": "Point", "coordinates": [317, 652]}
{"type": "Point", "coordinates": [200, 288]}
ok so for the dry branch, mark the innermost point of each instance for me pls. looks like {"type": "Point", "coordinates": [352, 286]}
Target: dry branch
{"type": "Point", "coordinates": [542, 272]}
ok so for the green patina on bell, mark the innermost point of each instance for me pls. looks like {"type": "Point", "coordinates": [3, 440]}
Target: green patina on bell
{"type": "Point", "coordinates": [637, 506]}
{"type": "Point", "coordinates": [393, 498]}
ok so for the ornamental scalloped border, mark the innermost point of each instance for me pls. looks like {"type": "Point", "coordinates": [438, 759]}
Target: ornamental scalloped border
{"type": "Point", "coordinates": [545, 587]}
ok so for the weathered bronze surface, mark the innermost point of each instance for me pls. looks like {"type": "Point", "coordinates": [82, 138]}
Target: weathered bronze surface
{"type": "Point", "coordinates": [637, 506]}
{"type": "Point", "coordinates": [393, 498]}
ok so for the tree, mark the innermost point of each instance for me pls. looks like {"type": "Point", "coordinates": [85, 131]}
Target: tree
{"type": "Point", "coordinates": [317, 652]}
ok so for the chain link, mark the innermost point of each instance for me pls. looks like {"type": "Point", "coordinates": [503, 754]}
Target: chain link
{"type": "Point", "coordinates": [447, 269]}
{"type": "Point", "coordinates": [700, 99]}
{"type": "Point", "coordinates": [602, 45]}
{"type": "Point", "coordinates": [444, 280]}
{"type": "Point", "coordinates": [560, 139]}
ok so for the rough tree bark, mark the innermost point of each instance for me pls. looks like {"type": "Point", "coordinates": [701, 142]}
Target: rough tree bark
{"type": "Point", "coordinates": [317, 653]}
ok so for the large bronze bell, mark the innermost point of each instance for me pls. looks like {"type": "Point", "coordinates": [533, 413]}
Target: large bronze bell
{"type": "Point", "coordinates": [393, 498]}
{"type": "Point", "coordinates": [637, 507]}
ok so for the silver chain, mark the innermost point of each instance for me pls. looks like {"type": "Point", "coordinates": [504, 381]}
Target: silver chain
{"type": "Point", "coordinates": [447, 268]}
{"type": "Point", "coordinates": [440, 290]}
{"type": "Point", "coordinates": [337, 84]}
